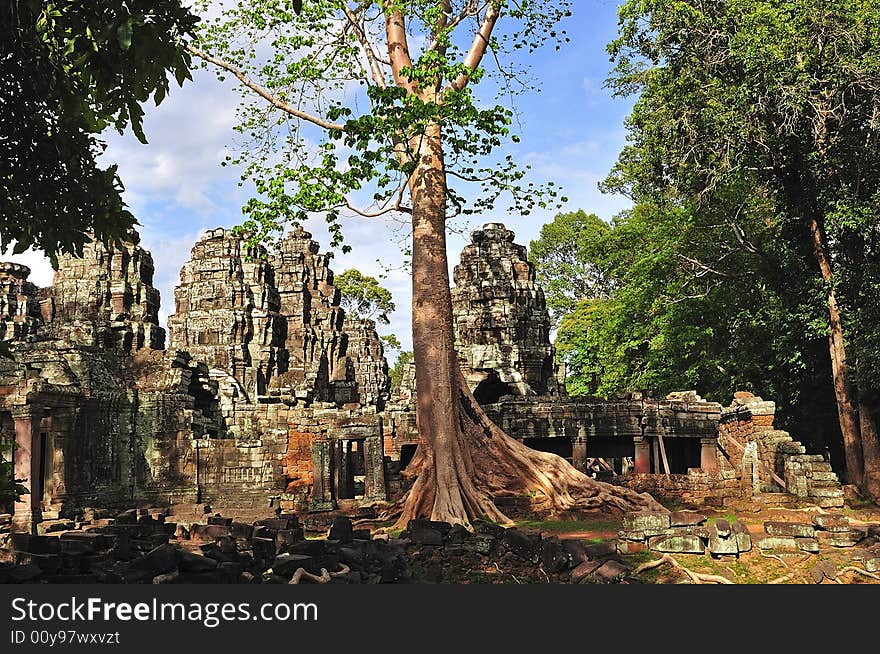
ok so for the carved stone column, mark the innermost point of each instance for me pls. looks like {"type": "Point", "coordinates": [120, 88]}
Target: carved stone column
{"type": "Point", "coordinates": [27, 461]}
{"type": "Point", "coordinates": [579, 449]}
{"type": "Point", "coordinates": [374, 469]}
{"type": "Point", "coordinates": [709, 454]}
{"type": "Point", "coordinates": [322, 477]}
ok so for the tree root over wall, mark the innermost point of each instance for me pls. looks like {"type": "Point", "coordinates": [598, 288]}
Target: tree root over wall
{"type": "Point", "coordinates": [483, 462]}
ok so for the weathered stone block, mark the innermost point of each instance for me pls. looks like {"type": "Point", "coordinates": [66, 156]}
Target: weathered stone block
{"type": "Point", "coordinates": [611, 571]}
{"type": "Point", "coordinates": [646, 521]}
{"type": "Point", "coordinates": [831, 522]}
{"type": "Point", "coordinates": [686, 518]}
{"type": "Point", "coordinates": [742, 535]}
{"type": "Point", "coordinates": [631, 547]}
{"type": "Point", "coordinates": [795, 529]}
{"type": "Point", "coordinates": [681, 544]}
{"type": "Point", "coordinates": [583, 570]}
{"type": "Point", "coordinates": [848, 538]}
{"type": "Point", "coordinates": [810, 545]}
{"type": "Point", "coordinates": [784, 543]}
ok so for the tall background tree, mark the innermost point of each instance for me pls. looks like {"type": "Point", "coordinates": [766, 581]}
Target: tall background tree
{"type": "Point", "coordinates": [363, 297]}
{"type": "Point", "coordinates": [778, 101]}
{"type": "Point", "coordinates": [566, 257]}
{"type": "Point", "coordinates": [370, 108]}
{"type": "Point", "coordinates": [68, 70]}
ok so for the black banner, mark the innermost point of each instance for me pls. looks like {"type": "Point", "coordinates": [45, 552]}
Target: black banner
{"type": "Point", "coordinates": [336, 617]}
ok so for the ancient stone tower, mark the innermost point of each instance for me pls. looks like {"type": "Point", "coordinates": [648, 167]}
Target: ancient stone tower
{"type": "Point", "coordinates": [227, 312]}
{"type": "Point", "coordinates": [19, 307]}
{"type": "Point", "coordinates": [107, 298]}
{"type": "Point", "coordinates": [502, 328]}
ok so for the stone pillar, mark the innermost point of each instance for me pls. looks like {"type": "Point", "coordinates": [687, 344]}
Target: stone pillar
{"type": "Point", "coordinates": [709, 454]}
{"type": "Point", "coordinates": [27, 466]}
{"type": "Point", "coordinates": [322, 477]}
{"type": "Point", "coordinates": [579, 449]}
{"type": "Point", "coordinates": [642, 455]}
{"type": "Point", "coordinates": [374, 469]}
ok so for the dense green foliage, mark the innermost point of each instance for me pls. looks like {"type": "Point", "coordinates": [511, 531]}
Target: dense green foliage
{"type": "Point", "coordinates": [565, 256]}
{"type": "Point", "coordinates": [363, 297]}
{"type": "Point", "coordinates": [328, 128]}
{"type": "Point", "coordinates": [670, 324]}
{"type": "Point", "coordinates": [754, 121]}
{"type": "Point", "coordinates": [68, 70]}
{"type": "Point", "coordinates": [10, 487]}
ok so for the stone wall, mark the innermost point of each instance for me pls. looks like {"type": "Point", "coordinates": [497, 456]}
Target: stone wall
{"type": "Point", "coordinates": [768, 460]}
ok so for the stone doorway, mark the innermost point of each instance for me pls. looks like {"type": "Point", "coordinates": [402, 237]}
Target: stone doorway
{"type": "Point", "coordinates": [491, 389]}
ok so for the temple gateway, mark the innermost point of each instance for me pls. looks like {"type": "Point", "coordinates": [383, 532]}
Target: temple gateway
{"type": "Point", "coordinates": [268, 394]}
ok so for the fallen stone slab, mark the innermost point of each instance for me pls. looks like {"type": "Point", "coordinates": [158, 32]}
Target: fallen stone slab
{"type": "Point", "coordinates": [840, 538]}
{"type": "Point", "coordinates": [743, 538]}
{"type": "Point", "coordinates": [525, 545]}
{"type": "Point", "coordinates": [795, 529]}
{"type": "Point", "coordinates": [157, 561]}
{"type": "Point", "coordinates": [632, 535]}
{"type": "Point", "coordinates": [553, 556]}
{"type": "Point", "coordinates": [646, 521]}
{"type": "Point", "coordinates": [809, 545]}
{"type": "Point", "coordinates": [686, 518]}
{"type": "Point", "coordinates": [191, 562]}
{"type": "Point", "coordinates": [831, 522]}
{"type": "Point", "coordinates": [35, 544]}
{"type": "Point", "coordinates": [584, 570]}
{"type": "Point", "coordinates": [720, 545]}
{"type": "Point", "coordinates": [209, 532]}
{"type": "Point", "coordinates": [286, 564]}
{"type": "Point", "coordinates": [611, 571]}
{"type": "Point", "coordinates": [341, 529]}
{"type": "Point", "coordinates": [599, 550]}
{"type": "Point", "coordinates": [422, 533]}
{"type": "Point", "coordinates": [576, 550]}
{"type": "Point", "coordinates": [678, 544]}
{"type": "Point", "coordinates": [873, 564]}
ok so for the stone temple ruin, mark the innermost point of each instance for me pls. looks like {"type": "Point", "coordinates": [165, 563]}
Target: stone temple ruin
{"type": "Point", "coordinates": [268, 394]}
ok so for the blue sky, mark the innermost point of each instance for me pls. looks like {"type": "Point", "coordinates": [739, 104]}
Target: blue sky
{"type": "Point", "coordinates": [571, 131]}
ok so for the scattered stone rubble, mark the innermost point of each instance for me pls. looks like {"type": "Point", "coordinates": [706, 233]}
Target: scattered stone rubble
{"type": "Point", "coordinates": [682, 532]}
{"type": "Point", "coordinates": [143, 546]}
{"type": "Point", "coordinates": [687, 532]}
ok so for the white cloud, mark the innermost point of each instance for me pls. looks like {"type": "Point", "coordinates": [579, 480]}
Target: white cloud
{"type": "Point", "coordinates": [41, 269]}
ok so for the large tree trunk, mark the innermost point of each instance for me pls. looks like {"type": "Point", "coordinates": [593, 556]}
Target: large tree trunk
{"type": "Point", "coordinates": [869, 408]}
{"type": "Point", "coordinates": [843, 390]}
{"type": "Point", "coordinates": [463, 459]}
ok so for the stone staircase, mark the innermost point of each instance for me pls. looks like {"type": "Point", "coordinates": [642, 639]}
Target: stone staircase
{"type": "Point", "coordinates": [811, 477]}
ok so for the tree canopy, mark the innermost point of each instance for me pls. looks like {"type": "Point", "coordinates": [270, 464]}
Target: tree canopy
{"type": "Point", "coordinates": [363, 297]}
{"type": "Point", "coordinates": [752, 158]}
{"type": "Point", "coordinates": [566, 256]}
{"type": "Point", "coordinates": [68, 70]}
